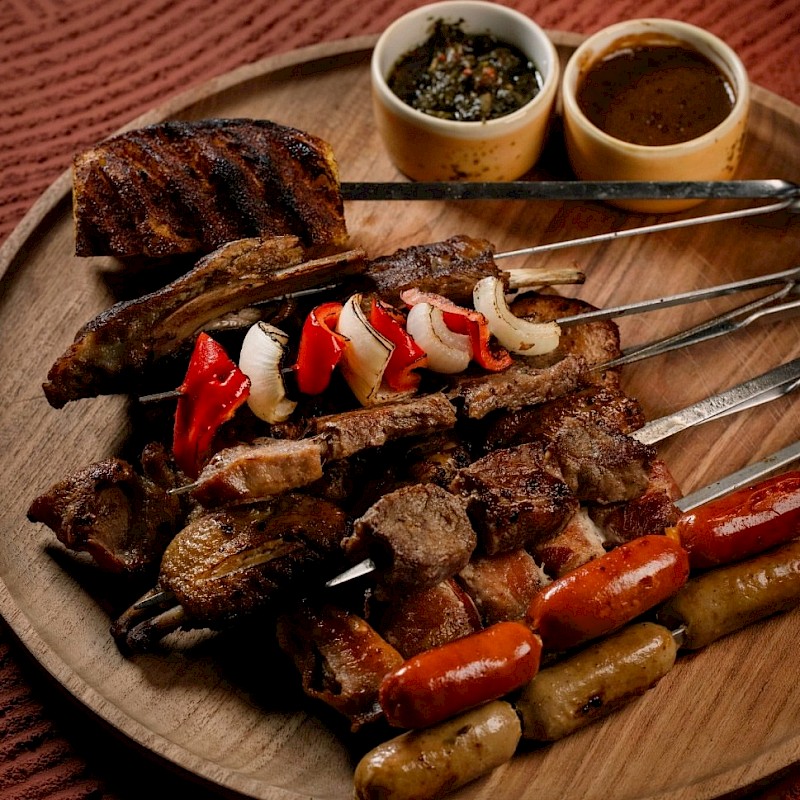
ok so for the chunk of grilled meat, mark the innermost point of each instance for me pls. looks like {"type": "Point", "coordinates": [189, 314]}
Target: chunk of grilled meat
{"type": "Point", "coordinates": [651, 511]}
{"type": "Point", "coordinates": [515, 498]}
{"type": "Point", "coordinates": [422, 618]}
{"type": "Point", "coordinates": [417, 535]}
{"type": "Point", "coordinates": [119, 516]}
{"type": "Point", "coordinates": [578, 542]}
{"type": "Point", "coordinates": [189, 187]}
{"type": "Point", "coordinates": [340, 657]}
{"type": "Point", "coordinates": [600, 464]}
{"type": "Point", "coordinates": [450, 268]}
{"type": "Point", "coordinates": [111, 352]}
{"type": "Point", "coordinates": [502, 586]}
{"type": "Point", "coordinates": [590, 406]}
{"type": "Point", "coordinates": [526, 382]}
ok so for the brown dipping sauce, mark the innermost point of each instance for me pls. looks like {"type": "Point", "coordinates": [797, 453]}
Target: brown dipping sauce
{"type": "Point", "coordinates": [655, 94]}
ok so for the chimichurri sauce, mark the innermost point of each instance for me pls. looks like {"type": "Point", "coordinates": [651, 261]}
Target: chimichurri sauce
{"type": "Point", "coordinates": [467, 77]}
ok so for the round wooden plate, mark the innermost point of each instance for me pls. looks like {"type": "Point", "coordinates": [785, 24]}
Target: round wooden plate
{"type": "Point", "coordinates": [722, 719]}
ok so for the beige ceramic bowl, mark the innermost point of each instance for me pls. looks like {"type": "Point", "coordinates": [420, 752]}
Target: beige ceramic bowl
{"type": "Point", "coordinates": [594, 155]}
{"type": "Point", "coordinates": [428, 148]}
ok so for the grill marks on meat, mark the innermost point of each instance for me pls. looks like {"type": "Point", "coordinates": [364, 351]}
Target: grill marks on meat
{"type": "Point", "coordinates": [123, 519]}
{"type": "Point", "coordinates": [417, 535]}
{"type": "Point", "coordinates": [450, 268]}
{"type": "Point", "coordinates": [111, 351]}
{"type": "Point", "coordinates": [189, 187]}
{"type": "Point", "coordinates": [227, 564]}
{"type": "Point", "coordinates": [340, 657]}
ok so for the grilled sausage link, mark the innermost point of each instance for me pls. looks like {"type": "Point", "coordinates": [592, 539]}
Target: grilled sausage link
{"type": "Point", "coordinates": [461, 674]}
{"type": "Point", "coordinates": [427, 764]}
{"type": "Point", "coordinates": [743, 523]}
{"type": "Point", "coordinates": [606, 593]}
{"type": "Point", "coordinates": [725, 599]}
{"type": "Point", "coordinates": [595, 681]}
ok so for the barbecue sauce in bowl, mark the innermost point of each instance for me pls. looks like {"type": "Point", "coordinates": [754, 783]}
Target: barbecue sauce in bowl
{"type": "Point", "coordinates": [655, 94]}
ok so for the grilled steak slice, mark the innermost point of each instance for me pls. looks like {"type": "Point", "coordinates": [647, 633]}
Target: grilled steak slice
{"type": "Point", "coordinates": [420, 619]}
{"type": "Point", "coordinates": [650, 512]}
{"type": "Point", "coordinates": [450, 268]}
{"type": "Point", "coordinates": [417, 535]}
{"type": "Point", "coordinates": [249, 472]}
{"type": "Point", "coordinates": [526, 382]}
{"type": "Point", "coordinates": [111, 351]}
{"type": "Point", "coordinates": [340, 657]}
{"type": "Point", "coordinates": [515, 498]}
{"type": "Point", "coordinates": [592, 405]}
{"type": "Point", "coordinates": [576, 543]}
{"type": "Point", "coordinates": [502, 586]}
{"type": "Point", "coordinates": [120, 517]}
{"type": "Point", "coordinates": [227, 564]}
{"type": "Point", "coordinates": [600, 464]}
{"type": "Point", "coordinates": [353, 431]}
{"type": "Point", "coordinates": [595, 342]}
{"type": "Point", "coordinates": [189, 187]}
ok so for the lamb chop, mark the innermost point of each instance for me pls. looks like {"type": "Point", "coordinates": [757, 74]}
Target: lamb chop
{"type": "Point", "coordinates": [190, 187]}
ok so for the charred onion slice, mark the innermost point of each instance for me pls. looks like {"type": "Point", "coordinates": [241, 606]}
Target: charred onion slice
{"type": "Point", "coordinates": [365, 360]}
{"type": "Point", "coordinates": [260, 359]}
{"type": "Point", "coordinates": [515, 334]}
{"type": "Point", "coordinates": [448, 352]}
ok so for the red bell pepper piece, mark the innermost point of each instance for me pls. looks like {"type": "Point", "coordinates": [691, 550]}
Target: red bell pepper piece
{"type": "Point", "coordinates": [320, 349]}
{"type": "Point", "coordinates": [214, 387]}
{"type": "Point", "coordinates": [407, 354]}
{"type": "Point", "coordinates": [466, 321]}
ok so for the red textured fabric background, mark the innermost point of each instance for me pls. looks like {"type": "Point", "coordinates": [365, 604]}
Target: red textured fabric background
{"type": "Point", "coordinates": [73, 71]}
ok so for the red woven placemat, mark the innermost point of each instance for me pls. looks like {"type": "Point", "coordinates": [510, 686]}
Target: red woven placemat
{"type": "Point", "coordinates": [73, 71]}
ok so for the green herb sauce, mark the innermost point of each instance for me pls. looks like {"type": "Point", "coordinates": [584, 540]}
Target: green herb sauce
{"type": "Point", "coordinates": [467, 77]}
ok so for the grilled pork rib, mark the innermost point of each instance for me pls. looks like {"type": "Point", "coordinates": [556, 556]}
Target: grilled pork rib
{"type": "Point", "coordinates": [190, 187]}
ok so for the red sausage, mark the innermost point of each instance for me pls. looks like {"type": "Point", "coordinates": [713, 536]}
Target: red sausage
{"type": "Point", "coordinates": [743, 523]}
{"type": "Point", "coordinates": [439, 683]}
{"type": "Point", "coordinates": [602, 595]}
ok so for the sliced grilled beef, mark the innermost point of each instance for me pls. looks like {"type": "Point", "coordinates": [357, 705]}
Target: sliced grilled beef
{"type": "Point", "coordinates": [450, 268]}
{"type": "Point", "coordinates": [189, 187]}
{"type": "Point", "coordinates": [526, 382]}
{"type": "Point", "coordinates": [353, 431]}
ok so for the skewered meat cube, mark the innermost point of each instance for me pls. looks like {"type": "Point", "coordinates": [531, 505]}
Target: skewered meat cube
{"type": "Point", "coordinates": [599, 464]}
{"type": "Point", "coordinates": [653, 510]}
{"type": "Point", "coordinates": [189, 187]}
{"type": "Point", "coordinates": [515, 497]}
{"type": "Point", "coordinates": [579, 541]}
{"type": "Point", "coordinates": [420, 619]}
{"type": "Point", "coordinates": [122, 518]}
{"type": "Point", "coordinates": [502, 586]}
{"type": "Point", "coordinates": [417, 535]}
{"type": "Point", "coordinates": [340, 657]}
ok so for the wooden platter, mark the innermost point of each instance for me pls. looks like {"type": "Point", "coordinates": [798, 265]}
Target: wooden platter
{"type": "Point", "coordinates": [722, 719]}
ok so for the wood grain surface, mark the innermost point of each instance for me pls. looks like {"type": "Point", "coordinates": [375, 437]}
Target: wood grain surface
{"type": "Point", "coordinates": [721, 720]}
